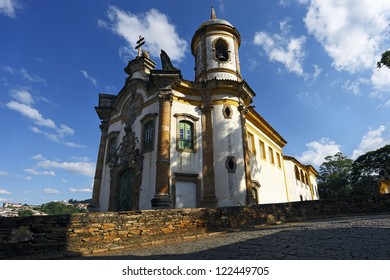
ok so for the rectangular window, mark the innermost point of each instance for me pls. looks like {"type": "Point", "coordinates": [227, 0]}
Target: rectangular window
{"type": "Point", "coordinates": [262, 149]}
{"type": "Point", "coordinates": [278, 160]}
{"type": "Point", "coordinates": [251, 143]}
{"type": "Point", "coordinates": [148, 136]}
{"type": "Point", "coordinates": [186, 135]}
{"type": "Point", "coordinates": [111, 149]}
{"type": "Point", "coordinates": [271, 155]}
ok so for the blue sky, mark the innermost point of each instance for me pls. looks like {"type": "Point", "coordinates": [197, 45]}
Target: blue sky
{"type": "Point", "coordinates": [310, 62]}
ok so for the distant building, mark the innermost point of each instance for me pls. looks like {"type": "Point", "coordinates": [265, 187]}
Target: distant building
{"type": "Point", "coordinates": [171, 143]}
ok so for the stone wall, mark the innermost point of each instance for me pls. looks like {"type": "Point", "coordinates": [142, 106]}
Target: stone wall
{"type": "Point", "coordinates": [43, 237]}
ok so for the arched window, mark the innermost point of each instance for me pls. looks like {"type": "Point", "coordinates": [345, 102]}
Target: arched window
{"type": "Point", "coordinates": [255, 191]}
{"type": "Point", "coordinates": [221, 50]}
{"type": "Point", "coordinates": [186, 135]}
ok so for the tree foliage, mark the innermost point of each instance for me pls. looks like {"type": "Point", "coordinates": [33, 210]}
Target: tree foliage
{"type": "Point", "coordinates": [333, 179]}
{"type": "Point", "coordinates": [385, 60]}
{"type": "Point", "coordinates": [342, 177]}
{"type": "Point", "coordinates": [25, 213]}
{"type": "Point", "coordinates": [369, 169]}
{"type": "Point", "coordinates": [58, 208]}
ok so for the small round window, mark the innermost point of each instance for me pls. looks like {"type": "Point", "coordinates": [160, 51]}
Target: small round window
{"type": "Point", "coordinates": [221, 50]}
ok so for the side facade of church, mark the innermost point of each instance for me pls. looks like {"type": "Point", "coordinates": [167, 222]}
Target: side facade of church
{"type": "Point", "coordinates": [171, 143]}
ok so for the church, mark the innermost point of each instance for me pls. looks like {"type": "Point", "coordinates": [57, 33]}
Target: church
{"type": "Point", "coordinates": [167, 142]}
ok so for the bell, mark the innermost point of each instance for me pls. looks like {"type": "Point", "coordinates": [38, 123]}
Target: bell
{"type": "Point", "coordinates": [221, 57]}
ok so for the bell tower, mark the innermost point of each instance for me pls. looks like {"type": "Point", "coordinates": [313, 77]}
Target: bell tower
{"type": "Point", "coordinates": [215, 46]}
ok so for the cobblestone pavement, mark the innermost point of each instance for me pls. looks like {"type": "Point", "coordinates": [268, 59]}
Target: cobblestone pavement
{"type": "Point", "coordinates": [351, 238]}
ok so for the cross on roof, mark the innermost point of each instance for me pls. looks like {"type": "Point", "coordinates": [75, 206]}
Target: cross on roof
{"type": "Point", "coordinates": [140, 42]}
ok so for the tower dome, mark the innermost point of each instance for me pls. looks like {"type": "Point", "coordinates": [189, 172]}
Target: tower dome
{"type": "Point", "coordinates": [215, 47]}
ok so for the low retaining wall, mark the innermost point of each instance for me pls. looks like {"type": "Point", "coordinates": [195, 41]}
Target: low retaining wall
{"type": "Point", "coordinates": [43, 237]}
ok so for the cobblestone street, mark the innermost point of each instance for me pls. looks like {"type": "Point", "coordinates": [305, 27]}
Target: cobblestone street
{"type": "Point", "coordinates": [350, 238]}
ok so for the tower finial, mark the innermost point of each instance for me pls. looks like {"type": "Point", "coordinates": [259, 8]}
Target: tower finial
{"type": "Point", "coordinates": [213, 16]}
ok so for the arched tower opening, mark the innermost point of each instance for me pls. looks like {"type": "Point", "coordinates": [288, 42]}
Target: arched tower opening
{"type": "Point", "coordinates": [215, 47]}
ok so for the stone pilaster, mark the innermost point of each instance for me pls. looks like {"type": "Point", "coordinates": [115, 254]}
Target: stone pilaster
{"type": "Point", "coordinates": [99, 167]}
{"type": "Point", "coordinates": [208, 198]}
{"type": "Point", "coordinates": [162, 198]}
{"type": "Point", "coordinates": [247, 167]}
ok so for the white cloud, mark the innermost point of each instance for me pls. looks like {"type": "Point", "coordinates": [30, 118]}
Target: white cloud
{"type": "Point", "coordinates": [50, 191]}
{"type": "Point", "coordinates": [31, 113]}
{"type": "Point", "coordinates": [355, 86]}
{"type": "Point", "coordinates": [2, 199]}
{"type": "Point", "coordinates": [385, 104]}
{"type": "Point", "coordinates": [8, 69]}
{"type": "Point", "coordinates": [82, 168]}
{"type": "Point", "coordinates": [380, 79]}
{"type": "Point", "coordinates": [9, 7]}
{"type": "Point", "coordinates": [3, 173]}
{"type": "Point", "coordinates": [81, 190]}
{"type": "Point", "coordinates": [89, 77]}
{"type": "Point", "coordinates": [30, 77]}
{"type": "Point", "coordinates": [283, 48]}
{"type": "Point", "coordinates": [4, 192]}
{"type": "Point", "coordinates": [351, 31]}
{"type": "Point", "coordinates": [38, 157]}
{"type": "Point", "coordinates": [57, 137]}
{"type": "Point", "coordinates": [23, 105]}
{"type": "Point", "coordinates": [317, 71]}
{"type": "Point", "coordinates": [318, 150]}
{"type": "Point", "coordinates": [36, 172]}
{"type": "Point", "coordinates": [159, 33]}
{"type": "Point", "coordinates": [23, 96]}
{"type": "Point", "coordinates": [371, 141]}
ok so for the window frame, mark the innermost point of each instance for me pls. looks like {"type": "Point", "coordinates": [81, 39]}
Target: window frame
{"type": "Point", "coordinates": [112, 136]}
{"type": "Point", "coordinates": [262, 152]}
{"type": "Point", "coordinates": [148, 119]}
{"type": "Point", "coordinates": [278, 160]}
{"type": "Point", "coordinates": [271, 155]}
{"type": "Point", "coordinates": [192, 122]}
{"type": "Point", "coordinates": [251, 143]}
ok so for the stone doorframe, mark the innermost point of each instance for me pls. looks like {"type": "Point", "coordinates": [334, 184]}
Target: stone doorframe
{"type": "Point", "coordinates": [115, 185]}
{"type": "Point", "coordinates": [187, 177]}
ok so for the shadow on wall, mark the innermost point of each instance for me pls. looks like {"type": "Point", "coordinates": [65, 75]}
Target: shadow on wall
{"type": "Point", "coordinates": [340, 240]}
{"type": "Point", "coordinates": [33, 237]}
{"type": "Point", "coordinates": [298, 243]}
{"type": "Point", "coordinates": [76, 235]}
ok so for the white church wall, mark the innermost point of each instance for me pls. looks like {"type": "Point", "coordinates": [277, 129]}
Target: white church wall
{"type": "Point", "coordinates": [104, 197]}
{"type": "Point", "coordinates": [270, 175]}
{"type": "Point", "coordinates": [148, 183]}
{"type": "Point", "coordinates": [313, 181]}
{"type": "Point", "coordinates": [230, 188]}
{"type": "Point", "coordinates": [293, 186]}
{"type": "Point", "coordinates": [185, 161]}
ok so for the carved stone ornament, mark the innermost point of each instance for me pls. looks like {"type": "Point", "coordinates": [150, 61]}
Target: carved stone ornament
{"type": "Point", "coordinates": [127, 154]}
{"type": "Point", "coordinates": [133, 108]}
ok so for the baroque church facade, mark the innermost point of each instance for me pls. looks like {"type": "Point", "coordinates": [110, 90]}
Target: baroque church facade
{"type": "Point", "coordinates": [167, 142]}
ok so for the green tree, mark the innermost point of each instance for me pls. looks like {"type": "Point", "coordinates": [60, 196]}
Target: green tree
{"type": "Point", "coordinates": [58, 208]}
{"type": "Point", "coordinates": [25, 213]}
{"type": "Point", "coordinates": [385, 60]}
{"type": "Point", "coordinates": [334, 175]}
{"type": "Point", "coordinates": [369, 169]}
